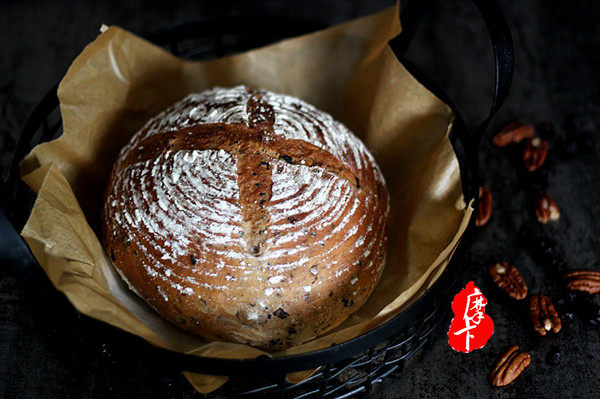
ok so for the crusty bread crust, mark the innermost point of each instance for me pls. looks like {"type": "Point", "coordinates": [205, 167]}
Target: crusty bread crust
{"type": "Point", "coordinates": [247, 216]}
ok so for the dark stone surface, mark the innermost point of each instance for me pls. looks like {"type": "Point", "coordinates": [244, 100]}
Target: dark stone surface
{"type": "Point", "coordinates": [556, 80]}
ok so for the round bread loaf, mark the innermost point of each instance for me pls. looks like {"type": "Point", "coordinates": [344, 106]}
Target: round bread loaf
{"type": "Point", "coordinates": [247, 216]}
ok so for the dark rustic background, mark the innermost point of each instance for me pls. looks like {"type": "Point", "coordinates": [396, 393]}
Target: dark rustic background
{"type": "Point", "coordinates": [556, 80]}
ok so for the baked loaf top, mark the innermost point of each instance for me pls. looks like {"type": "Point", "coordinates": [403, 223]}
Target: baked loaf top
{"type": "Point", "coordinates": [247, 216]}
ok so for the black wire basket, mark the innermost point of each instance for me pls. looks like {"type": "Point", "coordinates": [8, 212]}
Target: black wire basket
{"type": "Point", "coordinates": [123, 365]}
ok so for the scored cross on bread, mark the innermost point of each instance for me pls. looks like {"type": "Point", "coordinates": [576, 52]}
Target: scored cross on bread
{"type": "Point", "coordinates": [247, 216]}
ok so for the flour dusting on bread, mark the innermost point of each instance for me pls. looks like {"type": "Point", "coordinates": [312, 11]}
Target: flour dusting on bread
{"type": "Point", "coordinates": [248, 216]}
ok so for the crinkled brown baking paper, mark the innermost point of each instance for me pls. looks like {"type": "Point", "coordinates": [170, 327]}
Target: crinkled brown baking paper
{"type": "Point", "coordinates": [120, 80]}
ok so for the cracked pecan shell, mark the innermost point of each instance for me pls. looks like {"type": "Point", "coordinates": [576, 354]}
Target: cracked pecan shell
{"type": "Point", "coordinates": [583, 280]}
{"type": "Point", "coordinates": [546, 209]}
{"type": "Point", "coordinates": [510, 365]}
{"type": "Point", "coordinates": [509, 280]}
{"type": "Point", "coordinates": [535, 153]}
{"type": "Point", "coordinates": [544, 316]}
{"type": "Point", "coordinates": [484, 211]}
{"type": "Point", "coordinates": [513, 133]}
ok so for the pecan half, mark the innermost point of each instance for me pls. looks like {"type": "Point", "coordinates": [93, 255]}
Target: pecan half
{"type": "Point", "coordinates": [546, 209]}
{"type": "Point", "coordinates": [534, 153]}
{"type": "Point", "coordinates": [543, 315]}
{"type": "Point", "coordinates": [583, 280]}
{"type": "Point", "coordinates": [508, 278]}
{"type": "Point", "coordinates": [509, 366]}
{"type": "Point", "coordinates": [513, 133]}
{"type": "Point", "coordinates": [484, 211]}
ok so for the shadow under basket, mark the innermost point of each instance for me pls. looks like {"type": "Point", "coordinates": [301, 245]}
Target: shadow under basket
{"type": "Point", "coordinates": [119, 364]}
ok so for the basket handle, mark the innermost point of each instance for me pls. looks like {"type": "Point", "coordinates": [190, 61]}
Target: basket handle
{"type": "Point", "coordinates": [502, 47]}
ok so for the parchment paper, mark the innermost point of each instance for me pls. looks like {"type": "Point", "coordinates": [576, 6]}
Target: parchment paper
{"type": "Point", "coordinates": [119, 81]}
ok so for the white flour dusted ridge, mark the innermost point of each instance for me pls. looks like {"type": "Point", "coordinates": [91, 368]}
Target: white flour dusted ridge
{"type": "Point", "coordinates": [199, 220]}
{"type": "Point", "coordinates": [189, 217]}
